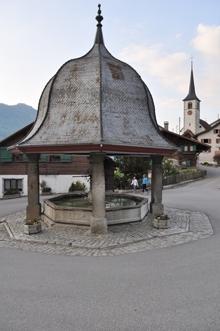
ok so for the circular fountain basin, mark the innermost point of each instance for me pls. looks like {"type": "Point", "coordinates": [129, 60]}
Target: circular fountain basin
{"type": "Point", "coordinates": [76, 208]}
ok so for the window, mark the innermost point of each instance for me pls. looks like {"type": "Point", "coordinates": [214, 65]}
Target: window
{"type": "Point", "coordinates": [55, 158]}
{"type": "Point", "coordinates": [13, 185]}
{"type": "Point", "coordinates": [44, 158]}
{"type": "Point", "coordinates": [206, 141]}
{"type": "Point", "coordinates": [217, 141]}
{"type": "Point", "coordinates": [189, 105]}
{"type": "Point", "coordinates": [185, 148]}
{"type": "Point", "coordinates": [60, 158]}
{"type": "Point", "coordinates": [192, 148]}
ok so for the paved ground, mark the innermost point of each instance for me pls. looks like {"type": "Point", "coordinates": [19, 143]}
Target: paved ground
{"type": "Point", "coordinates": [174, 288]}
{"type": "Point", "coordinates": [9, 206]}
{"type": "Point", "coordinates": [184, 226]}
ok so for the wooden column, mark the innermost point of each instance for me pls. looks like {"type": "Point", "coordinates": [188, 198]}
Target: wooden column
{"type": "Point", "coordinates": [98, 221]}
{"type": "Point", "coordinates": [33, 210]}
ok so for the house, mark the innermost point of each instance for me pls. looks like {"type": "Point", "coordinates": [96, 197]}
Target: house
{"type": "Point", "coordinates": [188, 147]}
{"type": "Point", "coordinates": [198, 129]}
{"type": "Point", "coordinates": [210, 136]}
{"type": "Point", "coordinates": [57, 171]}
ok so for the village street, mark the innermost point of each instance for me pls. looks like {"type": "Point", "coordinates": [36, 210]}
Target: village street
{"type": "Point", "coordinates": [169, 289]}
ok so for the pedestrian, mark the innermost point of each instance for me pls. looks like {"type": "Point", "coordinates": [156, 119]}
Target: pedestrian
{"type": "Point", "coordinates": [134, 183]}
{"type": "Point", "coordinates": [144, 183]}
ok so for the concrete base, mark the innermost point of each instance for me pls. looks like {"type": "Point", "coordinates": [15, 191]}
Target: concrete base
{"type": "Point", "coordinates": [160, 222]}
{"type": "Point", "coordinates": [98, 225]}
{"type": "Point", "coordinates": [55, 213]}
{"type": "Point", "coordinates": [157, 209]}
{"type": "Point", "coordinates": [32, 228]}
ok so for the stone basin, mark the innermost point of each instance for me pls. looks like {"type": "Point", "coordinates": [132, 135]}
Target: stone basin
{"type": "Point", "coordinates": [76, 208]}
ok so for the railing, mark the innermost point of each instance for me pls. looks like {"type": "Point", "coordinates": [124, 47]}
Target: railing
{"type": "Point", "coordinates": [182, 177]}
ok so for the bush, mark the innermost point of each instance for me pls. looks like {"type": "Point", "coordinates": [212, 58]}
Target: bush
{"type": "Point", "coordinates": [120, 179]}
{"type": "Point", "coordinates": [206, 163]}
{"type": "Point", "coordinates": [46, 189]}
{"type": "Point", "coordinates": [216, 158]}
{"type": "Point", "coordinates": [77, 186]}
{"type": "Point", "coordinates": [169, 168]}
{"type": "Point", "coordinates": [189, 170]}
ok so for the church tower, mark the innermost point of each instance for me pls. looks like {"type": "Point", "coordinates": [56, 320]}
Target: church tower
{"type": "Point", "coordinates": [191, 108]}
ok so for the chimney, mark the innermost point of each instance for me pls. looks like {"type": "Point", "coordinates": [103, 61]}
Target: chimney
{"type": "Point", "coordinates": [166, 125]}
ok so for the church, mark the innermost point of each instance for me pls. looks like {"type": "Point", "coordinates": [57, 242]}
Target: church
{"type": "Point", "coordinates": [195, 127]}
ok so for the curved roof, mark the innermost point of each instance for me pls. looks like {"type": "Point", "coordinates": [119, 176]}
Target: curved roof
{"type": "Point", "coordinates": [96, 103]}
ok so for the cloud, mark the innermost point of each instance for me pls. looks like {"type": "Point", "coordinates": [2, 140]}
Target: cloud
{"type": "Point", "coordinates": [169, 72]}
{"type": "Point", "coordinates": [178, 35]}
{"type": "Point", "coordinates": [207, 40]}
{"type": "Point", "coordinates": [207, 44]}
{"type": "Point", "coordinates": [166, 73]}
{"type": "Point", "coordinates": [168, 68]}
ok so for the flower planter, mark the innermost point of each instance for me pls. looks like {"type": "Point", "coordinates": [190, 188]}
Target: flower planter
{"type": "Point", "coordinates": [160, 222]}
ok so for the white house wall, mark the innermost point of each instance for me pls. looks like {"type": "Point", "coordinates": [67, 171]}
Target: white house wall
{"type": "Point", "coordinates": [61, 183]}
{"type": "Point", "coordinates": [57, 183]}
{"type": "Point", "coordinates": [208, 156]}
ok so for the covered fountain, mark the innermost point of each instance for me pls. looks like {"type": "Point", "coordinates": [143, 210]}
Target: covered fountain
{"type": "Point", "coordinates": [94, 105]}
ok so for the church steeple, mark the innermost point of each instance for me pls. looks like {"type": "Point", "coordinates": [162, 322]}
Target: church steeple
{"type": "Point", "coordinates": [192, 93]}
{"type": "Point", "coordinates": [191, 108]}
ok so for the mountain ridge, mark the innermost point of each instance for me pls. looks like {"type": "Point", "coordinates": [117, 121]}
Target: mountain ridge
{"type": "Point", "coordinates": [15, 117]}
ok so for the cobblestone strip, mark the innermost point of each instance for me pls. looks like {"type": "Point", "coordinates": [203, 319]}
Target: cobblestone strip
{"type": "Point", "coordinates": [185, 226]}
{"type": "Point", "coordinates": [3, 232]}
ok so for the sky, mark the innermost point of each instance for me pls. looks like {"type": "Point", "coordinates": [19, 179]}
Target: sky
{"type": "Point", "coordinates": [157, 38]}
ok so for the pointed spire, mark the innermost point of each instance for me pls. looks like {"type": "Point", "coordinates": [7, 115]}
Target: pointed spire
{"type": "Point", "coordinates": [192, 93]}
{"type": "Point", "coordinates": [99, 37]}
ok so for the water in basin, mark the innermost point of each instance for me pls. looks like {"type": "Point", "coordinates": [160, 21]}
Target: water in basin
{"type": "Point", "coordinates": [83, 202]}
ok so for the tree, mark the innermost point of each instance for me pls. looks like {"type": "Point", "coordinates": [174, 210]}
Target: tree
{"type": "Point", "coordinates": [128, 167]}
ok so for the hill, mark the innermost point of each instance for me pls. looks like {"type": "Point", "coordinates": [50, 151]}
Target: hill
{"type": "Point", "coordinates": [13, 118]}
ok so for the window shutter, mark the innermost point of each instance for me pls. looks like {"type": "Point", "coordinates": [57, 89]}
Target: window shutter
{"type": "Point", "coordinates": [66, 158]}
{"type": "Point", "coordinates": [44, 157]}
{"type": "Point", "coordinates": [5, 155]}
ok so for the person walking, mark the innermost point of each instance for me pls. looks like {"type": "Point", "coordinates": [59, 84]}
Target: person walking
{"type": "Point", "coordinates": [134, 183]}
{"type": "Point", "coordinates": [144, 183]}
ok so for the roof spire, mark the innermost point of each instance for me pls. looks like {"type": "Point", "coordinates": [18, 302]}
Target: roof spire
{"type": "Point", "coordinates": [191, 60]}
{"type": "Point", "coordinates": [99, 18]}
{"type": "Point", "coordinates": [192, 93]}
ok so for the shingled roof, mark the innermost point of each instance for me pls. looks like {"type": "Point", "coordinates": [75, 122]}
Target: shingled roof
{"type": "Point", "coordinates": [96, 103]}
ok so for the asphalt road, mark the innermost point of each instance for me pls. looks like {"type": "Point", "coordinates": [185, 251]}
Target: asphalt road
{"type": "Point", "coordinates": [11, 206]}
{"type": "Point", "coordinates": [171, 289]}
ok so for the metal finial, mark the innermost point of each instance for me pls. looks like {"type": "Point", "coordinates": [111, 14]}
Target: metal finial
{"type": "Point", "coordinates": [191, 60]}
{"type": "Point", "coordinates": [99, 17]}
